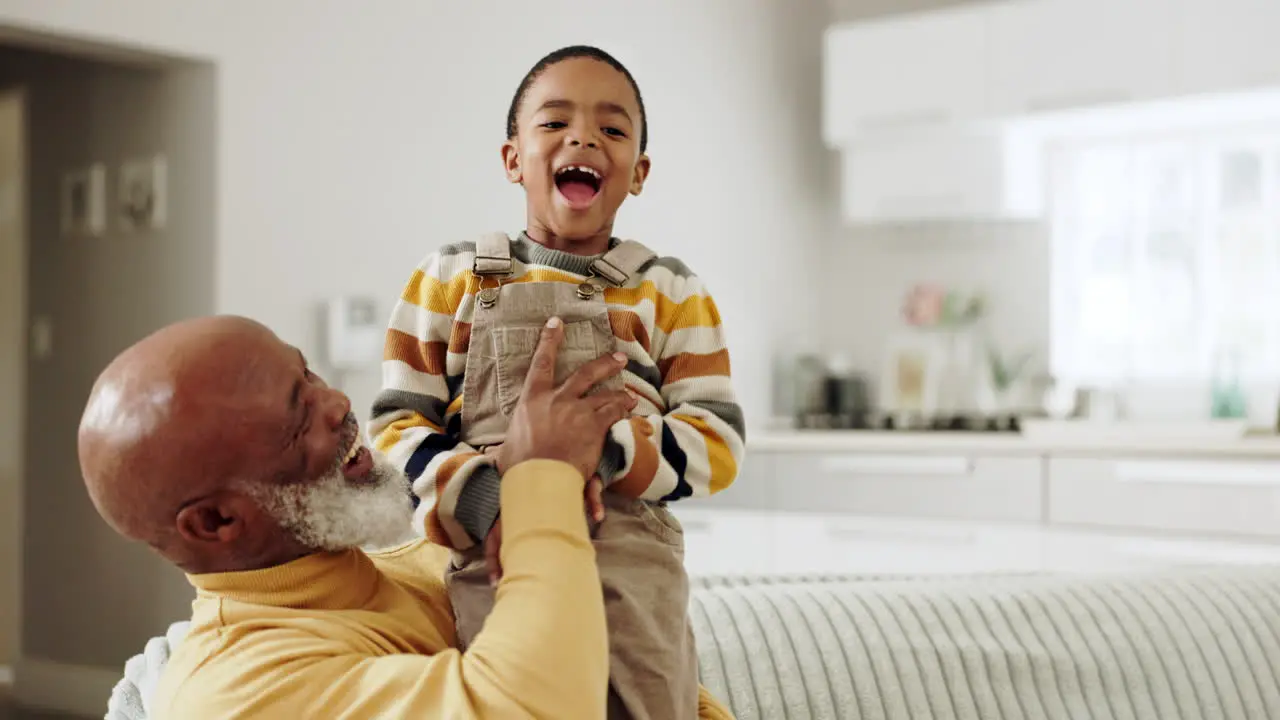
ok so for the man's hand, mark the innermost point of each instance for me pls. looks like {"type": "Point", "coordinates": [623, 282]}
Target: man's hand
{"type": "Point", "coordinates": [559, 424]}
{"type": "Point", "coordinates": [595, 488]}
{"type": "Point", "coordinates": [563, 423]}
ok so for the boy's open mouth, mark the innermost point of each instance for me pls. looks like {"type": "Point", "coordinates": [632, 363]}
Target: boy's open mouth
{"type": "Point", "coordinates": [578, 185]}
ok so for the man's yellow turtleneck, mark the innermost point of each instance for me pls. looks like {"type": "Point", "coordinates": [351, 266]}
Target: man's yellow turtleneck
{"type": "Point", "coordinates": [350, 635]}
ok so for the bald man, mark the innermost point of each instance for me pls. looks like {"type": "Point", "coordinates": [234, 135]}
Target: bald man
{"type": "Point", "coordinates": [212, 442]}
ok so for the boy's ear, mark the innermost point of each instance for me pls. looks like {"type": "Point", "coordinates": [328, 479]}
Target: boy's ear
{"type": "Point", "coordinates": [640, 175]}
{"type": "Point", "coordinates": [511, 162]}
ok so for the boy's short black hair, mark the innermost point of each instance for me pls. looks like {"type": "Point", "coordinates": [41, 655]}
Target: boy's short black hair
{"type": "Point", "coordinates": [570, 53]}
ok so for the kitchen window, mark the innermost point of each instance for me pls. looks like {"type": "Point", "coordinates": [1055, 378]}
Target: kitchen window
{"type": "Point", "coordinates": [1165, 257]}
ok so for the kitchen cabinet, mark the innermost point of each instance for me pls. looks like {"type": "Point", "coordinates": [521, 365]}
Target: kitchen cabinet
{"type": "Point", "coordinates": [919, 70]}
{"type": "Point", "coordinates": [1175, 494]}
{"type": "Point", "coordinates": [960, 486]}
{"type": "Point", "coordinates": [1052, 55]}
{"type": "Point", "coordinates": [983, 63]}
{"type": "Point", "coordinates": [756, 487]}
{"type": "Point", "coordinates": [938, 176]}
{"type": "Point", "coordinates": [1228, 44]}
{"type": "Point", "coordinates": [752, 543]}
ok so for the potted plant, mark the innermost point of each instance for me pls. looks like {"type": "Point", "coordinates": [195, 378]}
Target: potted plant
{"type": "Point", "coordinates": [1003, 374]}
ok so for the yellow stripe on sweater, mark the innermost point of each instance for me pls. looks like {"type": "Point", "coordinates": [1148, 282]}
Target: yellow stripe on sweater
{"type": "Point", "coordinates": [432, 294]}
{"type": "Point", "coordinates": [444, 297]}
{"type": "Point", "coordinates": [454, 407]}
{"type": "Point", "coordinates": [391, 434]}
{"type": "Point", "coordinates": [723, 467]}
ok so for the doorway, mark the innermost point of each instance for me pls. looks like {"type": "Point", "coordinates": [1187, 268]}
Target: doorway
{"type": "Point", "coordinates": [13, 344]}
{"type": "Point", "coordinates": [91, 272]}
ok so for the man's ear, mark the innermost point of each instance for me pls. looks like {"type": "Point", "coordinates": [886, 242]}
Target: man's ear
{"type": "Point", "coordinates": [640, 175]}
{"type": "Point", "coordinates": [216, 519]}
{"type": "Point", "coordinates": [511, 162]}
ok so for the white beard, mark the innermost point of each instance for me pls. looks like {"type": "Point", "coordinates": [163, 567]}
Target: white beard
{"type": "Point", "coordinates": [332, 514]}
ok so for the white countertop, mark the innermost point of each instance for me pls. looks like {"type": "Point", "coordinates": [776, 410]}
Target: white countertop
{"type": "Point", "coordinates": [1100, 443]}
{"type": "Point", "coordinates": [742, 542]}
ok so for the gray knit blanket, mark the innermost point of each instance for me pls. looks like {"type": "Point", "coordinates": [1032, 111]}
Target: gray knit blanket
{"type": "Point", "coordinates": [1186, 644]}
{"type": "Point", "coordinates": [1189, 644]}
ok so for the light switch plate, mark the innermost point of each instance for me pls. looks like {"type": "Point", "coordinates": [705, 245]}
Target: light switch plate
{"type": "Point", "coordinates": [143, 194]}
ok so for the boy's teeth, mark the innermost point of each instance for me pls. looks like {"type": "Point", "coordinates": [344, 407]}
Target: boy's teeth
{"type": "Point", "coordinates": [582, 168]}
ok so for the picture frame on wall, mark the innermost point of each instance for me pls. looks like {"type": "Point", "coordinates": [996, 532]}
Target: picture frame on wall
{"type": "Point", "coordinates": [83, 203]}
{"type": "Point", "coordinates": [912, 373]}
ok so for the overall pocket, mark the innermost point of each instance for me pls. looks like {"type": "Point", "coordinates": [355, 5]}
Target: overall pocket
{"type": "Point", "coordinates": [659, 520]}
{"type": "Point", "coordinates": [514, 346]}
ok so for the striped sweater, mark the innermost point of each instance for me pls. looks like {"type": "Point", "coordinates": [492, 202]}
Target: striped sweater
{"type": "Point", "coordinates": [685, 437]}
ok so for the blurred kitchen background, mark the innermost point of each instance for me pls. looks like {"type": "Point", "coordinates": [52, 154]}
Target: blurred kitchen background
{"type": "Point", "coordinates": [1001, 278]}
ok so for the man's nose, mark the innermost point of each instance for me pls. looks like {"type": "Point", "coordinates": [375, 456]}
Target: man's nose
{"type": "Point", "coordinates": [336, 407]}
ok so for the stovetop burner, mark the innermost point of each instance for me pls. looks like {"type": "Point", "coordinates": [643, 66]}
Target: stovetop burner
{"type": "Point", "coordinates": [908, 422]}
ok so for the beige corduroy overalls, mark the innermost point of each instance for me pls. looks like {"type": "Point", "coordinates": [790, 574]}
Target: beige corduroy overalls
{"type": "Point", "coordinates": [639, 545]}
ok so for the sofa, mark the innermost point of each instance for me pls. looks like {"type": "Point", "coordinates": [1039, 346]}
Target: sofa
{"type": "Point", "coordinates": [1192, 643]}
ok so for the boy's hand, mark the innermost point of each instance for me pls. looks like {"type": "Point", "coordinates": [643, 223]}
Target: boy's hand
{"type": "Point", "coordinates": [595, 498]}
{"type": "Point", "coordinates": [495, 452]}
{"type": "Point", "coordinates": [493, 554]}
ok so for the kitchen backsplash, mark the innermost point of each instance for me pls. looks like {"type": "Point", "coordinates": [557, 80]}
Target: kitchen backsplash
{"type": "Point", "coordinates": [870, 269]}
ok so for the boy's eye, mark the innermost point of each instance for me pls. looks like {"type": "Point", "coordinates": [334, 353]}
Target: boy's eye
{"type": "Point", "coordinates": [614, 131]}
{"type": "Point", "coordinates": [554, 125]}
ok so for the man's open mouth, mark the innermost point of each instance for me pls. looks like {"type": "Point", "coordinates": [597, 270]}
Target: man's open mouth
{"type": "Point", "coordinates": [578, 185]}
{"type": "Point", "coordinates": [357, 461]}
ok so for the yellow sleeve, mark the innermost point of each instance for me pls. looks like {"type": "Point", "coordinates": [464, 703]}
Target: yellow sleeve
{"type": "Point", "coordinates": [543, 652]}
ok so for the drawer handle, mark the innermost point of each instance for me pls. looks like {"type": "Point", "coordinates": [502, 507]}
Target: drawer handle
{"type": "Point", "coordinates": [1200, 473]}
{"type": "Point", "coordinates": [898, 465]}
{"type": "Point", "coordinates": [904, 537]}
{"type": "Point", "coordinates": [1078, 100]}
{"type": "Point", "coordinates": [1198, 553]}
{"type": "Point", "coordinates": [930, 203]}
{"type": "Point", "coordinates": [937, 116]}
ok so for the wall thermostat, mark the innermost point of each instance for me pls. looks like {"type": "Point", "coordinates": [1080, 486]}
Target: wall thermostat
{"type": "Point", "coordinates": [354, 333]}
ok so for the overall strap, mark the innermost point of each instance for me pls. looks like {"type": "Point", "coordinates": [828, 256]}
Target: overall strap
{"type": "Point", "coordinates": [622, 262]}
{"type": "Point", "coordinates": [493, 255]}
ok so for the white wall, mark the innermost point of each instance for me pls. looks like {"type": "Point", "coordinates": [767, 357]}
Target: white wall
{"type": "Point", "coordinates": [13, 263]}
{"type": "Point", "coordinates": [354, 142]}
{"type": "Point", "coordinates": [351, 143]}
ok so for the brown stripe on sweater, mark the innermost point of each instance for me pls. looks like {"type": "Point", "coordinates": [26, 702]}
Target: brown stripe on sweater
{"type": "Point", "coordinates": [435, 531]}
{"type": "Point", "coordinates": [460, 338]}
{"type": "Point", "coordinates": [694, 365]}
{"type": "Point", "coordinates": [628, 327]}
{"type": "Point", "coordinates": [425, 357]}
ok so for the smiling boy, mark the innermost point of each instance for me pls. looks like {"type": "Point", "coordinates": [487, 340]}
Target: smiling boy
{"type": "Point", "coordinates": [460, 341]}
